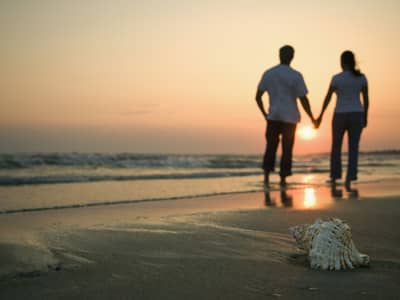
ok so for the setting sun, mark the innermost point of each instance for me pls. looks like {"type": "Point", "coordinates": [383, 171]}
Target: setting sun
{"type": "Point", "coordinates": [307, 133]}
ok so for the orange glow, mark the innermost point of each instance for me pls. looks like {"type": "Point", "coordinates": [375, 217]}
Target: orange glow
{"type": "Point", "coordinates": [180, 76]}
{"type": "Point", "coordinates": [307, 133]}
{"type": "Point", "coordinates": [309, 198]}
{"type": "Point", "coordinates": [307, 179]}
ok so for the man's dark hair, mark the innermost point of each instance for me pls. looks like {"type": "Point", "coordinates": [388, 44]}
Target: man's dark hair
{"type": "Point", "coordinates": [286, 54]}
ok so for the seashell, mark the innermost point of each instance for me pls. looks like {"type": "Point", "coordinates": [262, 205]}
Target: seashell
{"type": "Point", "coordinates": [329, 245]}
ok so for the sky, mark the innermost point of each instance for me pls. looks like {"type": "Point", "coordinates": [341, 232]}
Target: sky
{"type": "Point", "coordinates": [174, 76]}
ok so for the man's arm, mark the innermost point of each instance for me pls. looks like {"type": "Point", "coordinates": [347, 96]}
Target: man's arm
{"type": "Point", "coordinates": [364, 93]}
{"type": "Point", "coordinates": [307, 108]}
{"type": "Point", "coordinates": [260, 103]}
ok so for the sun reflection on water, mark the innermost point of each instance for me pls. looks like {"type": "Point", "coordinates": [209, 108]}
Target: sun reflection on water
{"type": "Point", "coordinates": [309, 198]}
{"type": "Point", "coordinates": [308, 178]}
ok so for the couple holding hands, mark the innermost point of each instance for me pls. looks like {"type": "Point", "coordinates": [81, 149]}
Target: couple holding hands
{"type": "Point", "coordinates": [284, 85]}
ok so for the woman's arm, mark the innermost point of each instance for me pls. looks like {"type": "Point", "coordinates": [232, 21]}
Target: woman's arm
{"type": "Point", "coordinates": [328, 97]}
{"type": "Point", "coordinates": [365, 97]}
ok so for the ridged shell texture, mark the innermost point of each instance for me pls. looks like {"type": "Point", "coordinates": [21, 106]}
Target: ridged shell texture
{"type": "Point", "coordinates": [329, 245]}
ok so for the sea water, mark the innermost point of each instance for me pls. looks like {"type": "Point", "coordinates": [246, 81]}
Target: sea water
{"type": "Point", "coordinates": [37, 181]}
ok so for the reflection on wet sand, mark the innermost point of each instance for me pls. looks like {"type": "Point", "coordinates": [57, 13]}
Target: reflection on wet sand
{"type": "Point", "coordinates": [307, 198]}
{"type": "Point", "coordinates": [285, 198]}
{"type": "Point", "coordinates": [337, 193]}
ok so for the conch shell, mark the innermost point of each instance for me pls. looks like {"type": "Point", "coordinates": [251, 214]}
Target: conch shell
{"type": "Point", "coordinates": [329, 245]}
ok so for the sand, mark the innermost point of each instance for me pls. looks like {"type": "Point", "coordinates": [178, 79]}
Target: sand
{"type": "Point", "coordinates": [221, 247]}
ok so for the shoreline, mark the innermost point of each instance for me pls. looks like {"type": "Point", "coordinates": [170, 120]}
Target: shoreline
{"type": "Point", "coordinates": [230, 246]}
{"type": "Point", "coordinates": [375, 188]}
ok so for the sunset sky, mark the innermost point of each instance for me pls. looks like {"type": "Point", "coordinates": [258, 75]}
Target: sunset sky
{"type": "Point", "coordinates": [180, 76]}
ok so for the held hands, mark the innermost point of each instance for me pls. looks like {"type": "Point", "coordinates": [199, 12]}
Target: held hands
{"type": "Point", "coordinates": [317, 122]}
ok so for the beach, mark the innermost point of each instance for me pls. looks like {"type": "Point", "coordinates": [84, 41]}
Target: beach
{"type": "Point", "coordinates": [234, 246]}
{"type": "Point", "coordinates": [137, 139]}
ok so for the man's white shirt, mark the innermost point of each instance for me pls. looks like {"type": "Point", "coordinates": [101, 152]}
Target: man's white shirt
{"type": "Point", "coordinates": [283, 85]}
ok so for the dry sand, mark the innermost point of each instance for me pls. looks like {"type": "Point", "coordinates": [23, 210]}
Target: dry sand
{"type": "Point", "coordinates": [223, 247]}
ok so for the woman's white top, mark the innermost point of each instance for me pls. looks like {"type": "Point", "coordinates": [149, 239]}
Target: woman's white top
{"type": "Point", "coordinates": [348, 88]}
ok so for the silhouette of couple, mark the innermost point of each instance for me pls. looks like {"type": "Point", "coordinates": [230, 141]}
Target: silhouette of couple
{"type": "Point", "coordinates": [284, 86]}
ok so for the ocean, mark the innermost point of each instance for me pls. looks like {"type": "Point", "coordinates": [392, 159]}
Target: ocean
{"type": "Point", "coordinates": [38, 181]}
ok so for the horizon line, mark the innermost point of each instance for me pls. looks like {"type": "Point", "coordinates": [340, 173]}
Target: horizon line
{"type": "Point", "coordinates": [384, 151]}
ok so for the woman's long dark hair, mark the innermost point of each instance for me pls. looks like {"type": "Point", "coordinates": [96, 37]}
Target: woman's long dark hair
{"type": "Point", "coordinates": [347, 59]}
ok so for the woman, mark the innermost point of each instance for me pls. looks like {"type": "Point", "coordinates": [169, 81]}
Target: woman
{"type": "Point", "coordinates": [350, 116]}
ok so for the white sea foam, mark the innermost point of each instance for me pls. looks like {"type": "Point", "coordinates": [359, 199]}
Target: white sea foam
{"type": "Point", "coordinates": [54, 168]}
{"type": "Point", "coordinates": [30, 182]}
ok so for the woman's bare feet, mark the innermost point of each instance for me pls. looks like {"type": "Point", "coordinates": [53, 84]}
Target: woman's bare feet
{"type": "Point", "coordinates": [353, 193]}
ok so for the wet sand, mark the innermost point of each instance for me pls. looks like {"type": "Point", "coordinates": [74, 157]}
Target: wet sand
{"type": "Point", "coordinates": [222, 247]}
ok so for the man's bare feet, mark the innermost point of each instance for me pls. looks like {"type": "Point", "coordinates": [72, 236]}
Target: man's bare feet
{"type": "Point", "coordinates": [266, 179]}
{"type": "Point", "coordinates": [331, 182]}
{"type": "Point", "coordinates": [347, 185]}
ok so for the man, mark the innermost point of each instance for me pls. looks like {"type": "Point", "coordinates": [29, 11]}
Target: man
{"type": "Point", "coordinates": [283, 85]}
